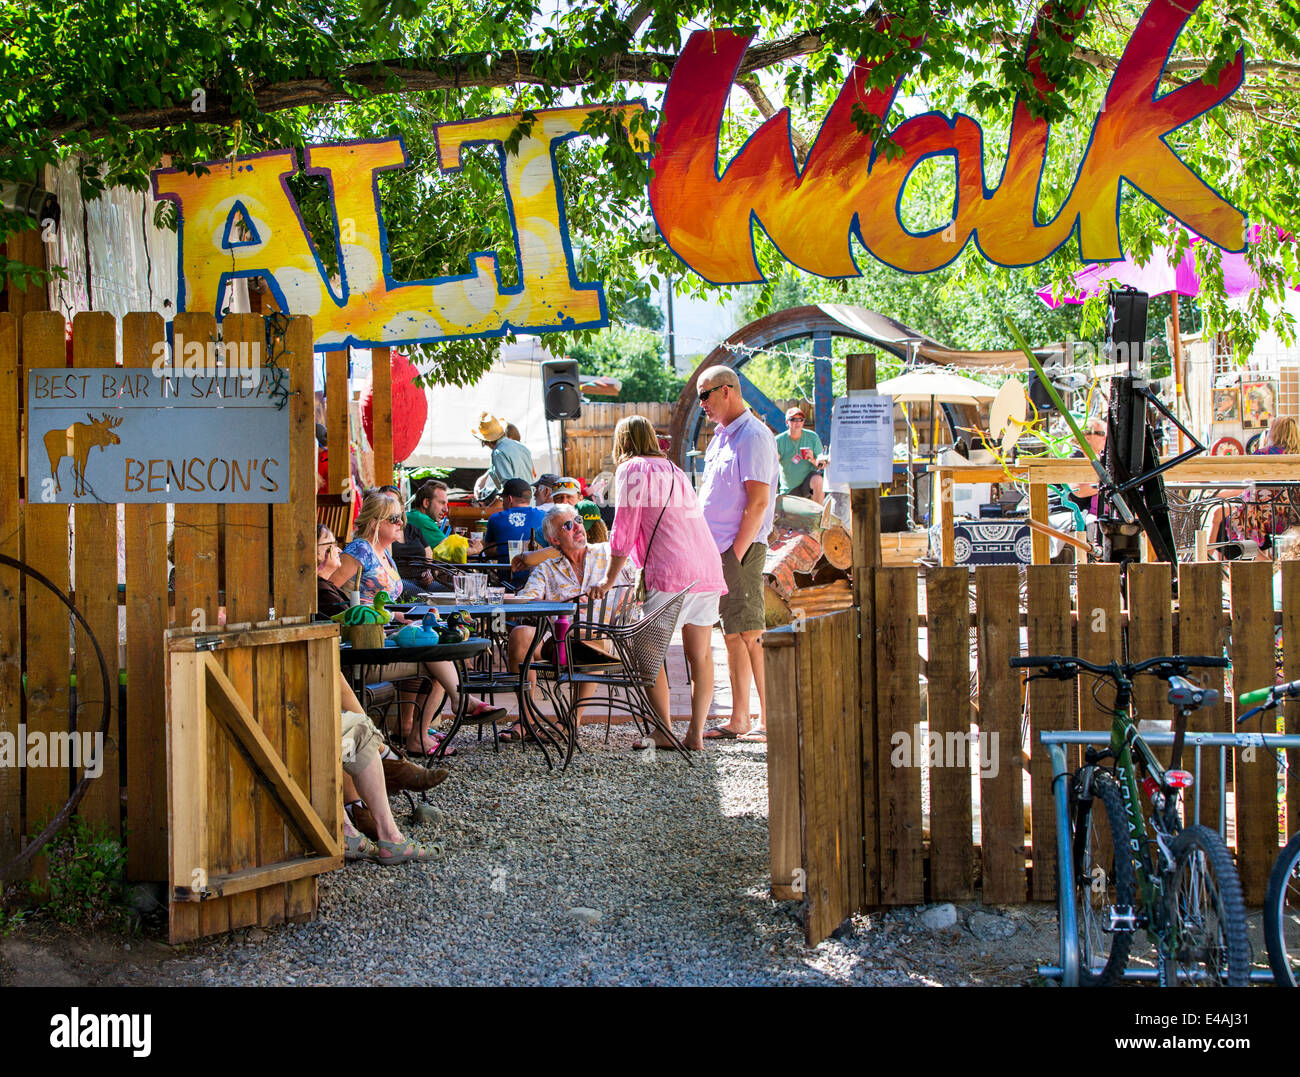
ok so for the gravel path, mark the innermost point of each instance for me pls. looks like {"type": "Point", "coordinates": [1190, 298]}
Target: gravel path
{"type": "Point", "coordinates": [621, 871]}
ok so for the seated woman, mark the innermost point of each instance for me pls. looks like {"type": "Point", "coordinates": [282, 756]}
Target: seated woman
{"type": "Point", "coordinates": [1264, 511]}
{"type": "Point", "coordinates": [331, 599]}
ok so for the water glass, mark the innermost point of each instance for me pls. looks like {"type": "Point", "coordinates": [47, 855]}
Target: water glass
{"type": "Point", "coordinates": [516, 548]}
{"type": "Point", "coordinates": [496, 596]}
{"type": "Point", "coordinates": [475, 584]}
{"type": "Point", "coordinates": [461, 585]}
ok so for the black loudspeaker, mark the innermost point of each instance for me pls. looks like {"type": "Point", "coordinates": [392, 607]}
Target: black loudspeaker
{"type": "Point", "coordinates": [560, 391]}
{"type": "Point", "coordinates": [1038, 395]}
{"type": "Point", "coordinates": [1126, 326]}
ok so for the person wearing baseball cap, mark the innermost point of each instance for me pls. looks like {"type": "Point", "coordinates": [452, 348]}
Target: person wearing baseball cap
{"type": "Point", "coordinates": [517, 522]}
{"type": "Point", "coordinates": [566, 491]}
{"type": "Point", "coordinates": [592, 521]}
{"type": "Point", "coordinates": [801, 455]}
{"type": "Point", "coordinates": [542, 490]}
{"type": "Point", "coordinates": [510, 459]}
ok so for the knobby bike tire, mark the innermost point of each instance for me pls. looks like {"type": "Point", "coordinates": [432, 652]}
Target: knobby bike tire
{"type": "Point", "coordinates": [1282, 915]}
{"type": "Point", "coordinates": [1203, 902]}
{"type": "Point", "coordinates": [1104, 849]}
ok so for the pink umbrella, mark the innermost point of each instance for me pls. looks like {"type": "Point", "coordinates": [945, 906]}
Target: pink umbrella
{"type": "Point", "coordinates": [1160, 276]}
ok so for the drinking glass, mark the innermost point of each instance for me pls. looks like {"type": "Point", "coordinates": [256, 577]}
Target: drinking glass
{"type": "Point", "coordinates": [496, 596]}
{"type": "Point", "coordinates": [461, 585]}
{"type": "Point", "coordinates": [516, 548]}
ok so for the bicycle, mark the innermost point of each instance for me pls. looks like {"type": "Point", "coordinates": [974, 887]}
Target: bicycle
{"type": "Point", "coordinates": [1120, 870]}
{"type": "Point", "coordinates": [1282, 899]}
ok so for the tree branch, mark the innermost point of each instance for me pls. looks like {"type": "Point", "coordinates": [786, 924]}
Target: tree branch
{"type": "Point", "coordinates": [751, 86]}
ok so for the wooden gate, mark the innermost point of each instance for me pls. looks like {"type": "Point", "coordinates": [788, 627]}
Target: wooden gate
{"type": "Point", "coordinates": [254, 773]}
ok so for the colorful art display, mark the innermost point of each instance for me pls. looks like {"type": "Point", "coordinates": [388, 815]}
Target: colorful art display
{"type": "Point", "coordinates": [1258, 404]}
{"type": "Point", "coordinates": [239, 220]}
{"type": "Point", "coordinates": [1226, 405]}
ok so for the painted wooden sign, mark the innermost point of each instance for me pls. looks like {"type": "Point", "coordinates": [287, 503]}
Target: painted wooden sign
{"type": "Point", "coordinates": [239, 220]}
{"type": "Point", "coordinates": [117, 435]}
{"type": "Point", "coordinates": [845, 192]}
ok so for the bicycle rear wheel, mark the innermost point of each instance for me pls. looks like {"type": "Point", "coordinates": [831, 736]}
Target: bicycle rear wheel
{"type": "Point", "coordinates": [1206, 914]}
{"type": "Point", "coordinates": [1103, 878]}
{"type": "Point", "coordinates": [1282, 916]}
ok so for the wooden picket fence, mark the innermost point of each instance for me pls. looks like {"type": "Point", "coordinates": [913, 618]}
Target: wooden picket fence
{"type": "Point", "coordinates": [848, 825]}
{"type": "Point", "coordinates": [253, 561]}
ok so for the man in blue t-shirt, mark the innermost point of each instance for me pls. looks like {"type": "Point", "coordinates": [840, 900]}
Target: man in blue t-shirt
{"type": "Point", "coordinates": [514, 523]}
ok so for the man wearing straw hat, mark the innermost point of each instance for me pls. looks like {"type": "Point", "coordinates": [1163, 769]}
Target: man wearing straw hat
{"type": "Point", "coordinates": [510, 459]}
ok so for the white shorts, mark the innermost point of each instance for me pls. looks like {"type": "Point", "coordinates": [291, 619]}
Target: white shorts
{"type": "Point", "coordinates": [699, 608]}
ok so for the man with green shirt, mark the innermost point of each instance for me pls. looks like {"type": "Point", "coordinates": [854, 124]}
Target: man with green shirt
{"type": "Point", "coordinates": [428, 507]}
{"type": "Point", "coordinates": [801, 455]}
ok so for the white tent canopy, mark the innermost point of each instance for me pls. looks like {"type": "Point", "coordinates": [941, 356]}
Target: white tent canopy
{"type": "Point", "coordinates": [512, 391]}
{"type": "Point", "coordinates": [922, 385]}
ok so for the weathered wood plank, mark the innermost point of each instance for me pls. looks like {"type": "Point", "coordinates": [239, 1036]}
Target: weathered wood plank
{"type": "Point", "coordinates": [94, 345]}
{"type": "Point", "coordinates": [382, 413]}
{"type": "Point", "coordinates": [336, 419]}
{"type": "Point", "coordinates": [898, 700]}
{"type": "Point", "coordinates": [300, 896]}
{"type": "Point", "coordinates": [952, 852]}
{"type": "Point", "coordinates": [146, 621]}
{"type": "Point", "coordinates": [1051, 707]}
{"type": "Point", "coordinates": [187, 773]}
{"type": "Point", "coordinates": [47, 659]}
{"type": "Point", "coordinates": [1201, 631]}
{"type": "Point", "coordinates": [271, 832]}
{"type": "Point", "coordinates": [1150, 634]}
{"type": "Point", "coordinates": [1002, 827]}
{"type": "Point", "coordinates": [783, 765]}
{"type": "Point", "coordinates": [11, 526]}
{"type": "Point", "coordinates": [1256, 779]}
{"type": "Point", "coordinates": [1291, 672]}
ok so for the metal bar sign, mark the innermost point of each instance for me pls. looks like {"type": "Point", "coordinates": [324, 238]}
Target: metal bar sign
{"type": "Point", "coordinates": [118, 435]}
{"type": "Point", "coordinates": [862, 440]}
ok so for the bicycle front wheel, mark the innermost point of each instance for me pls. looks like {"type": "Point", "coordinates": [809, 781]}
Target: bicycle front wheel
{"type": "Point", "coordinates": [1206, 945]}
{"type": "Point", "coordinates": [1282, 916]}
{"type": "Point", "coordinates": [1104, 880]}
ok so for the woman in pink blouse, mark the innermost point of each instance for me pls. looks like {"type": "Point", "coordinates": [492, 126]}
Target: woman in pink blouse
{"type": "Point", "coordinates": [658, 523]}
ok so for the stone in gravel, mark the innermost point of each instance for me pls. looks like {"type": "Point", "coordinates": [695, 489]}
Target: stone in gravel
{"type": "Point", "coordinates": [257, 935]}
{"type": "Point", "coordinates": [939, 917]}
{"type": "Point", "coordinates": [583, 914]}
{"type": "Point", "coordinates": [986, 927]}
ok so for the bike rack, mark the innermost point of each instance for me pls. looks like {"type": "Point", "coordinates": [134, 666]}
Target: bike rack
{"type": "Point", "coordinates": [1068, 969]}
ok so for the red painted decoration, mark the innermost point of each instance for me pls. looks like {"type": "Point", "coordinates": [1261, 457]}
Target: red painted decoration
{"type": "Point", "coordinates": [410, 408]}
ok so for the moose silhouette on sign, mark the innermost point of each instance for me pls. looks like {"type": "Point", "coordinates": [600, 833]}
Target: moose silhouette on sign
{"type": "Point", "coordinates": [76, 442]}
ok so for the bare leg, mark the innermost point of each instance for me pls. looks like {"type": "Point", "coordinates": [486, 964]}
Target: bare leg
{"type": "Point", "coordinates": [697, 642]}
{"type": "Point", "coordinates": [740, 675]}
{"type": "Point", "coordinates": [370, 784]}
{"type": "Point", "coordinates": [815, 484]}
{"type": "Point", "coordinates": [754, 649]}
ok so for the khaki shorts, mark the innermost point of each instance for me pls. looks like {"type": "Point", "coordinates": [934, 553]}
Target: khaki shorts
{"type": "Point", "coordinates": [362, 742]}
{"type": "Point", "coordinates": [742, 606]}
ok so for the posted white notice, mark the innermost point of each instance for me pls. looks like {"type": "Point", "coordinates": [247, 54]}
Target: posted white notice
{"type": "Point", "coordinates": [862, 441]}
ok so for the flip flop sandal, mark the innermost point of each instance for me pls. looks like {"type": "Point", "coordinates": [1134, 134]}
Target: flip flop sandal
{"type": "Point", "coordinates": [720, 732]}
{"type": "Point", "coordinates": [487, 713]}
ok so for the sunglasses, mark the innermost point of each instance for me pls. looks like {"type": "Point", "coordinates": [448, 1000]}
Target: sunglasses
{"type": "Point", "coordinates": [334, 546]}
{"type": "Point", "coordinates": [397, 521]}
{"type": "Point", "coordinates": [795, 419]}
{"type": "Point", "coordinates": [569, 525]}
{"type": "Point", "coordinates": [707, 392]}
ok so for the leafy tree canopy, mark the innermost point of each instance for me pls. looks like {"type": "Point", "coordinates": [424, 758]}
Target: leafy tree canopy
{"type": "Point", "coordinates": [121, 85]}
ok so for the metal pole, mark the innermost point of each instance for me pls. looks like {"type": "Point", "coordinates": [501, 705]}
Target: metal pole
{"type": "Point", "coordinates": [672, 336]}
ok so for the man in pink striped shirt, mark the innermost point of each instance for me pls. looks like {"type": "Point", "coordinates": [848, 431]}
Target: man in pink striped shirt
{"type": "Point", "coordinates": [742, 474]}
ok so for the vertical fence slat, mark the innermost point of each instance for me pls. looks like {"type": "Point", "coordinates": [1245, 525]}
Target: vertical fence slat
{"type": "Point", "coordinates": [94, 345]}
{"type": "Point", "coordinates": [952, 853]}
{"type": "Point", "coordinates": [897, 676]}
{"type": "Point", "coordinates": [196, 542]}
{"type": "Point", "coordinates": [783, 764]}
{"type": "Point", "coordinates": [11, 523]}
{"type": "Point", "coordinates": [1002, 828]}
{"type": "Point", "coordinates": [1256, 780]}
{"type": "Point", "coordinates": [146, 620]}
{"type": "Point", "coordinates": [1101, 637]}
{"type": "Point", "coordinates": [850, 712]}
{"type": "Point", "coordinates": [336, 420]}
{"type": "Point", "coordinates": [293, 553]}
{"type": "Point", "coordinates": [47, 660]}
{"type": "Point", "coordinates": [1150, 634]}
{"type": "Point", "coordinates": [272, 833]}
{"type": "Point", "coordinates": [1291, 672]}
{"type": "Point", "coordinates": [1201, 630]}
{"type": "Point", "coordinates": [812, 790]}
{"type": "Point", "coordinates": [1051, 707]}
{"type": "Point", "coordinates": [247, 573]}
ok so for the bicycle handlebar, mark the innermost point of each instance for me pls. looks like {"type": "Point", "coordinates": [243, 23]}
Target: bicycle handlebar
{"type": "Point", "coordinates": [1273, 692]}
{"type": "Point", "coordinates": [1063, 666]}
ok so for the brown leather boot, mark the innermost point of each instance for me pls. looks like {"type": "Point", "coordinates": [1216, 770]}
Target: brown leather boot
{"type": "Point", "coordinates": [401, 775]}
{"type": "Point", "coordinates": [364, 821]}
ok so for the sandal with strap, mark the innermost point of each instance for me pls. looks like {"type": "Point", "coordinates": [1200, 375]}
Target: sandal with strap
{"type": "Point", "coordinates": [358, 847]}
{"type": "Point", "coordinates": [400, 852]}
